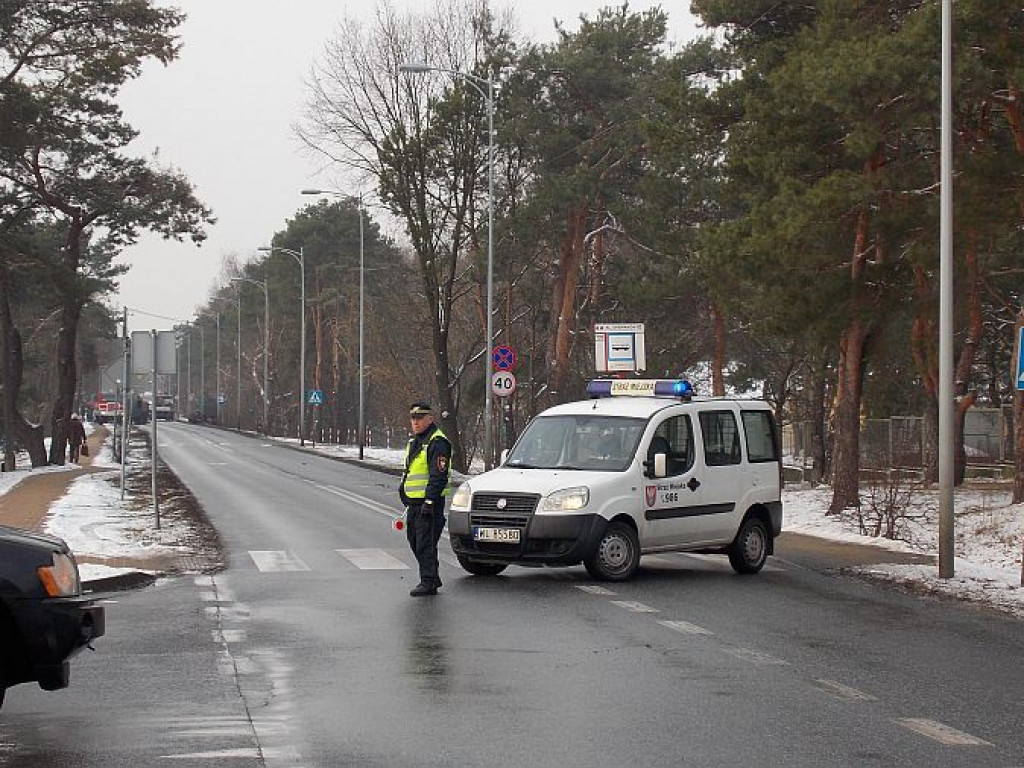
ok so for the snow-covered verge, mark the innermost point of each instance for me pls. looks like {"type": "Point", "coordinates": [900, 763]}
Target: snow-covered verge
{"type": "Point", "coordinates": [988, 540]}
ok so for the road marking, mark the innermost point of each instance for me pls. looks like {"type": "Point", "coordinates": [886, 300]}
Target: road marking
{"type": "Point", "coordinates": [755, 657]}
{"type": "Point", "coordinates": [593, 589]}
{"type": "Point", "coordinates": [686, 628]}
{"type": "Point", "coordinates": [635, 607]}
{"type": "Point", "coordinates": [842, 692]}
{"type": "Point", "coordinates": [372, 560]}
{"type": "Point", "coordinates": [229, 635]}
{"type": "Point", "coordinates": [941, 733]}
{"type": "Point", "coordinates": [449, 560]}
{"type": "Point", "coordinates": [277, 560]}
{"type": "Point", "coordinates": [374, 506]}
{"type": "Point", "coordinates": [218, 463]}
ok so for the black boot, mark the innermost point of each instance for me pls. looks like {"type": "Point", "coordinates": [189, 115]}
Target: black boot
{"type": "Point", "coordinates": [423, 589]}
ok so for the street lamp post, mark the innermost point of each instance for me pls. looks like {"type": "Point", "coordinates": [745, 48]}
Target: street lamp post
{"type": "Point", "coordinates": [362, 366]}
{"type": "Point", "coordinates": [219, 419]}
{"type": "Point", "coordinates": [266, 345]}
{"type": "Point", "coordinates": [477, 82]}
{"type": "Point", "coordinates": [299, 257]}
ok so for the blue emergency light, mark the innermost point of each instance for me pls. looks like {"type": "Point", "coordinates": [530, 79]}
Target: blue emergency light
{"type": "Point", "coordinates": [679, 388]}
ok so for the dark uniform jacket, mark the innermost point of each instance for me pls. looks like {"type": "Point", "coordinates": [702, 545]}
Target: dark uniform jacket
{"type": "Point", "coordinates": [439, 457]}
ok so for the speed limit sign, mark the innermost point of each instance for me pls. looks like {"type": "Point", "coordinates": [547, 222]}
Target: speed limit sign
{"type": "Point", "coordinates": [503, 383]}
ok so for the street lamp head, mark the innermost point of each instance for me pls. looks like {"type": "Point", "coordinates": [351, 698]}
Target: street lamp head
{"type": "Point", "coordinates": [265, 248]}
{"type": "Point", "coordinates": [314, 192]}
{"type": "Point", "coordinates": [415, 67]}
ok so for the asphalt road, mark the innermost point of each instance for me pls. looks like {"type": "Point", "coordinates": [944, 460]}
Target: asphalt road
{"type": "Point", "coordinates": [308, 651]}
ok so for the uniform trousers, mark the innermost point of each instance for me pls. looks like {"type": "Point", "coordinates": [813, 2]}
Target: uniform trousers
{"type": "Point", "coordinates": [423, 530]}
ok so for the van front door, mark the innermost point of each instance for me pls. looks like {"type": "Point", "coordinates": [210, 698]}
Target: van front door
{"type": "Point", "coordinates": [670, 501]}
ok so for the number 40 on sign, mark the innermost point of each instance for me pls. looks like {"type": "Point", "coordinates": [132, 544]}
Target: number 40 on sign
{"type": "Point", "coordinates": [503, 383]}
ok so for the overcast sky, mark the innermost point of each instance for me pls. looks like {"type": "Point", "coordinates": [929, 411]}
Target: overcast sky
{"type": "Point", "coordinates": [222, 113]}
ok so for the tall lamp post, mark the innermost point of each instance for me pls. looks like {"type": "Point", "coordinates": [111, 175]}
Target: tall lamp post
{"type": "Point", "coordinates": [359, 199]}
{"type": "Point", "coordinates": [266, 344]}
{"type": "Point", "coordinates": [477, 83]}
{"type": "Point", "coordinates": [299, 257]}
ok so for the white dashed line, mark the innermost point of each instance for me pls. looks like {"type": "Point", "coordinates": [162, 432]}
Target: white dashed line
{"type": "Point", "coordinates": [942, 733]}
{"type": "Point", "coordinates": [372, 560]}
{"type": "Point", "coordinates": [755, 657]}
{"type": "Point", "coordinates": [635, 607]}
{"type": "Point", "coordinates": [277, 560]}
{"type": "Point", "coordinates": [686, 628]}
{"type": "Point", "coordinates": [842, 692]}
{"type": "Point", "coordinates": [593, 589]}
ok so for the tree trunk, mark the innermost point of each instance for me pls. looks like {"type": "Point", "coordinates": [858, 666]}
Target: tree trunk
{"type": "Point", "coordinates": [846, 454]}
{"type": "Point", "coordinates": [569, 260]}
{"type": "Point", "coordinates": [718, 363]}
{"type": "Point", "coordinates": [18, 429]}
{"type": "Point", "coordinates": [965, 363]}
{"type": "Point", "coordinates": [67, 377]}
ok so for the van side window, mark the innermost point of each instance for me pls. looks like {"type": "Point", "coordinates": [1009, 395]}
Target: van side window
{"type": "Point", "coordinates": [760, 430]}
{"type": "Point", "coordinates": [721, 438]}
{"type": "Point", "coordinates": [674, 437]}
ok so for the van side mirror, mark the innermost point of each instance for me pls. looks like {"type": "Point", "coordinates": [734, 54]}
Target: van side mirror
{"type": "Point", "coordinates": [657, 466]}
{"type": "Point", "coordinates": [660, 465]}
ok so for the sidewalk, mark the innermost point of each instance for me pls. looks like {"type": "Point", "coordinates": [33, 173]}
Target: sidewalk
{"type": "Point", "coordinates": [32, 504]}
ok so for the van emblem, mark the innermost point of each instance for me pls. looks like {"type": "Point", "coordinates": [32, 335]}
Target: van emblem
{"type": "Point", "coordinates": [502, 503]}
{"type": "Point", "coordinates": [651, 494]}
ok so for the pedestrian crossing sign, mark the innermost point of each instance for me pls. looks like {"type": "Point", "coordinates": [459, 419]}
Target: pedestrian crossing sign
{"type": "Point", "coordinates": [316, 397]}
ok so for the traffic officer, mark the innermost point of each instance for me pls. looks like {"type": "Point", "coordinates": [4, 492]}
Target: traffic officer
{"type": "Point", "coordinates": [424, 485]}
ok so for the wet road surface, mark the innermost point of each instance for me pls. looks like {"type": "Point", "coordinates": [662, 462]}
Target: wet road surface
{"type": "Point", "coordinates": [308, 651]}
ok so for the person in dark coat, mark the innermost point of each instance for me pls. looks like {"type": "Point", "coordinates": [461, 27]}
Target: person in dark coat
{"type": "Point", "coordinates": [76, 436]}
{"type": "Point", "coordinates": [424, 485]}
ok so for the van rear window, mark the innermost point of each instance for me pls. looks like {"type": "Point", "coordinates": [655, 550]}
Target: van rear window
{"type": "Point", "coordinates": [760, 430]}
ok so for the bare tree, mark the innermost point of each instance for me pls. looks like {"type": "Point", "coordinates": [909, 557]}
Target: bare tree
{"type": "Point", "coordinates": [422, 140]}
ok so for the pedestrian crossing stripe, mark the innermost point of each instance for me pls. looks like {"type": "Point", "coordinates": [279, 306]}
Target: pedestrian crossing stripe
{"type": "Point", "coordinates": [372, 560]}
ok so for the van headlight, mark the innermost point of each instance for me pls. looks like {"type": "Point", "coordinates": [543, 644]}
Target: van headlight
{"type": "Point", "coordinates": [462, 498]}
{"type": "Point", "coordinates": [566, 500]}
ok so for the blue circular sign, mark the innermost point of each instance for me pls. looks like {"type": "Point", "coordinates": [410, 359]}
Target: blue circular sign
{"type": "Point", "coordinates": [503, 357]}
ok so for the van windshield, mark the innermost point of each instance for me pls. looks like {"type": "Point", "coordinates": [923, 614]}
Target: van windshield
{"type": "Point", "coordinates": [602, 443]}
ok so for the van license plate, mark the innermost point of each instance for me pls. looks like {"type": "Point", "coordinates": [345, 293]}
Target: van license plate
{"type": "Point", "coordinates": [500, 535]}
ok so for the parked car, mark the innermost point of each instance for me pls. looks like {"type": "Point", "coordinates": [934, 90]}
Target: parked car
{"type": "Point", "coordinates": [45, 620]}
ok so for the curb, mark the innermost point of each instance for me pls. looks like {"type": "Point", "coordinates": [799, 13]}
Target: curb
{"type": "Point", "coordinates": [121, 582]}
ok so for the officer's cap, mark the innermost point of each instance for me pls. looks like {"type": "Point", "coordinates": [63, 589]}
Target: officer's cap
{"type": "Point", "coordinates": [420, 408]}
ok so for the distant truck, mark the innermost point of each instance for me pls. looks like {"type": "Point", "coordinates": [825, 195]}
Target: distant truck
{"type": "Point", "coordinates": [107, 408]}
{"type": "Point", "coordinates": [165, 408]}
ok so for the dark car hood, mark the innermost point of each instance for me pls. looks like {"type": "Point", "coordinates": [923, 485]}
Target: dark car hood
{"type": "Point", "coordinates": [31, 539]}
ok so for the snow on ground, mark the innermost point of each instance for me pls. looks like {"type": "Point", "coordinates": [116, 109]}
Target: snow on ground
{"type": "Point", "coordinates": [94, 520]}
{"type": "Point", "coordinates": [23, 467]}
{"type": "Point", "coordinates": [988, 539]}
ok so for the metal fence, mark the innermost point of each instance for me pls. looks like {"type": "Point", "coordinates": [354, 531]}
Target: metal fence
{"type": "Point", "coordinates": [899, 442]}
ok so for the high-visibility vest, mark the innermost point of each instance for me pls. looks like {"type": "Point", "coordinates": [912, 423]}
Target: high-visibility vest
{"type": "Point", "coordinates": [417, 472]}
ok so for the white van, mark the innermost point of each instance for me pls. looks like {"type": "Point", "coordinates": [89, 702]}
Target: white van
{"type": "Point", "coordinates": [642, 467]}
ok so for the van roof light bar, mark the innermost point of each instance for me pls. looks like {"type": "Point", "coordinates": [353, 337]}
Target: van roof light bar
{"type": "Point", "coordinates": [677, 388]}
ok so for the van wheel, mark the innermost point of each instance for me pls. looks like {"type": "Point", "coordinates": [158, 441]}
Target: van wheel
{"type": "Point", "coordinates": [616, 556]}
{"type": "Point", "coordinates": [477, 568]}
{"type": "Point", "coordinates": [749, 550]}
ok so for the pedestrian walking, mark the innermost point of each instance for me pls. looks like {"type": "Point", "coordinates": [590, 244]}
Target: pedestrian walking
{"type": "Point", "coordinates": [424, 485]}
{"type": "Point", "coordinates": [76, 437]}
